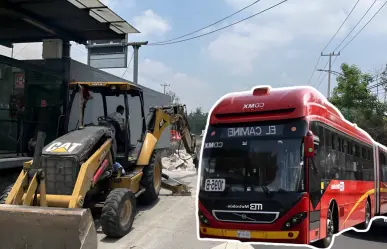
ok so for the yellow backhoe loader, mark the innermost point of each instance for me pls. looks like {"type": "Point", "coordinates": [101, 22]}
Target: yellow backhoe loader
{"type": "Point", "coordinates": [95, 164]}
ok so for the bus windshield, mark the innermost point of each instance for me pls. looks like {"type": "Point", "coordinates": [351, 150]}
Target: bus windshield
{"type": "Point", "coordinates": [254, 158]}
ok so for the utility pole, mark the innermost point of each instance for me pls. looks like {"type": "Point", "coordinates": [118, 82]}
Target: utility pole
{"type": "Point", "coordinates": [330, 70]}
{"type": "Point", "coordinates": [136, 46]}
{"type": "Point", "coordinates": [165, 85]}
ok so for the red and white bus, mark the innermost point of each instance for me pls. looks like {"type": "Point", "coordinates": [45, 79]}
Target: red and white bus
{"type": "Point", "coordinates": [284, 166]}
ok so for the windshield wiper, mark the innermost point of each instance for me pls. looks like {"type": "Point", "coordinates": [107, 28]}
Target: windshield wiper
{"type": "Point", "coordinates": [266, 190]}
{"type": "Point", "coordinates": [281, 190]}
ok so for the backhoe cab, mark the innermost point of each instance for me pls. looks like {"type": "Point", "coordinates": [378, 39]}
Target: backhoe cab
{"type": "Point", "coordinates": [91, 166]}
{"type": "Point", "coordinates": [122, 147]}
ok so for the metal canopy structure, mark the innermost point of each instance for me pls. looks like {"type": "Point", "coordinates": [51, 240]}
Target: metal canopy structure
{"type": "Point", "coordinates": [23, 21]}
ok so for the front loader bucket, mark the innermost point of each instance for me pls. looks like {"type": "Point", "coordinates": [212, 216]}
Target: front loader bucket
{"type": "Point", "coordinates": [30, 227]}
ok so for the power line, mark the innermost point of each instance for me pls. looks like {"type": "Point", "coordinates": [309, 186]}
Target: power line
{"type": "Point", "coordinates": [357, 32]}
{"type": "Point", "coordinates": [165, 86]}
{"type": "Point", "coordinates": [341, 25]}
{"type": "Point", "coordinates": [314, 70]}
{"type": "Point", "coordinates": [131, 58]}
{"type": "Point", "coordinates": [325, 75]}
{"type": "Point", "coordinates": [355, 25]}
{"type": "Point", "coordinates": [212, 24]}
{"type": "Point", "coordinates": [333, 62]}
{"type": "Point", "coordinates": [330, 70]}
{"type": "Point", "coordinates": [377, 84]}
{"type": "Point", "coordinates": [216, 30]}
{"type": "Point", "coordinates": [319, 58]}
{"type": "Point", "coordinates": [363, 26]}
{"type": "Point", "coordinates": [322, 70]}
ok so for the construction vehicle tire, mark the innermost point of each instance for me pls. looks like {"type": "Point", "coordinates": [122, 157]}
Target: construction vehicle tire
{"type": "Point", "coordinates": [151, 180]}
{"type": "Point", "coordinates": [5, 193]}
{"type": "Point", "coordinates": [118, 213]}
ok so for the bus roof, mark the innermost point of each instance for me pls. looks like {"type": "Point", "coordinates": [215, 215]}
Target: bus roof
{"type": "Point", "coordinates": [264, 103]}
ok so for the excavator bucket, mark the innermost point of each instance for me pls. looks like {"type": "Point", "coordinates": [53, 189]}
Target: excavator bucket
{"type": "Point", "coordinates": [177, 188]}
{"type": "Point", "coordinates": [31, 227]}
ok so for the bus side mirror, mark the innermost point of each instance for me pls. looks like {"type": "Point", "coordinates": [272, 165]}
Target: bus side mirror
{"type": "Point", "coordinates": [309, 145]}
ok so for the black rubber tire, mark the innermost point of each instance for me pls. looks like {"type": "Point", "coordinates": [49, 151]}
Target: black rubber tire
{"type": "Point", "coordinates": [5, 193]}
{"type": "Point", "coordinates": [364, 225]}
{"type": "Point", "coordinates": [148, 180]}
{"type": "Point", "coordinates": [327, 241]}
{"type": "Point", "coordinates": [114, 205]}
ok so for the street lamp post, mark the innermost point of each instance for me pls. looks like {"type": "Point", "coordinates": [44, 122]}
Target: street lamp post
{"type": "Point", "coordinates": [136, 46]}
{"type": "Point", "coordinates": [329, 72]}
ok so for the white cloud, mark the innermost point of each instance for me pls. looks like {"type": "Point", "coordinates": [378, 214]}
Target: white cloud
{"type": "Point", "coordinates": [78, 52]}
{"type": "Point", "coordinates": [23, 51]}
{"type": "Point", "coordinates": [33, 51]}
{"type": "Point", "coordinates": [297, 20]}
{"type": "Point", "coordinates": [106, 2]}
{"type": "Point", "coordinates": [192, 91]}
{"type": "Point", "coordinates": [242, 45]}
{"type": "Point", "coordinates": [114, 4]}
{"type": "Point", "coordinates": [149, 23]}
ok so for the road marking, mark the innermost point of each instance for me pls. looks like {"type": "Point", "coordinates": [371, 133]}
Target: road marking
{"type": "Point", "coordinates": [233, 245]}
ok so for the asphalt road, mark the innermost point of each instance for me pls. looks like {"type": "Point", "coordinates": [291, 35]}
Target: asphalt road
{"type": "Point", "coordinates": [375, 238]}
{"type": "Point", "coordinates": [171, 224]}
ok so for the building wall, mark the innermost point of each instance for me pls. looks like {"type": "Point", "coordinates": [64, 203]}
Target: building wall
{"type": "Point", "coordinates": [82, 72]}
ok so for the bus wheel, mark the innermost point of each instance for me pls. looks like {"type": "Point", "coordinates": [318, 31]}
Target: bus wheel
{"type": "Point", "coordinates": [367, 219]}
{"type": "Point", "coordinates": [326, 242]}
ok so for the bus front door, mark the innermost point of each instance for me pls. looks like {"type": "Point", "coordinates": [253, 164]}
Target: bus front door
{"type": "Point", "coordinates": [315, 197]}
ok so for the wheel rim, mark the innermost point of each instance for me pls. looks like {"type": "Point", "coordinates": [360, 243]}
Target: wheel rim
{"type": "Point", "coordinates": [330, 225]}
{"type": "Point", "coordinates": [125, 213]}
{"type": "Point", "coordinates": [157, 176]}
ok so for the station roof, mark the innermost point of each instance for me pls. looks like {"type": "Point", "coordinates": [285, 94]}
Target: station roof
{"type": "Point", "coordinates": [23, 21]}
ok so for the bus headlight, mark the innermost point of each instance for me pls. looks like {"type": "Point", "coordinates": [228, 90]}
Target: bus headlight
{"type": "Point", "coordinates": [296, 219]}
{"type": "Point", "coordinates": [203, 218]}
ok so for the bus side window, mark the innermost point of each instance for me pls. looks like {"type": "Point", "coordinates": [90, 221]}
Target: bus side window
{"type": "Point", "coordinates": [331, 166]}
{"type": "Point", "coordinates": [341, 159]}
{"type": "Point", "coordinates": [384, 168]}
{"type": "Point", "coordinates": [357, 151]}
{"type": "Point", "coordinates": [382, 162]}
{"type": "Point", "coordinates": [357, 161]}
{"type": "Point", "coordinates": [329, 154]}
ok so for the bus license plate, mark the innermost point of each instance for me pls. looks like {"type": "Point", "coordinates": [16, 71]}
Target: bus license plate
{"type": "Point", "coordinates": [244, 234]}
{"type": "Point", "coordinates": [215, 185]}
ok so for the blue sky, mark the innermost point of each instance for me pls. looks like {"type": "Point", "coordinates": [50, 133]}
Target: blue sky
{"type": "Point", "coordinates": [278, 48]}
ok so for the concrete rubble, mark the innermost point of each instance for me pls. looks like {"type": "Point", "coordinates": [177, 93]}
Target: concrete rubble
{"type": "Point", "coordinates": [178, 161]}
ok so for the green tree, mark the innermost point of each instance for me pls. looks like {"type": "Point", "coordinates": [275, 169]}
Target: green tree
{"type": "Point", "coordinates": [174, 98]}
{"type": "Point", "coordinates": [197, 120]}
{"type": "Point", "coordinates": [358, 104]}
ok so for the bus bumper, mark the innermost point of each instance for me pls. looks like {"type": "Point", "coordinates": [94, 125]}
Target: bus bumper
{"type": "Point", "coordinates": [290, 237]}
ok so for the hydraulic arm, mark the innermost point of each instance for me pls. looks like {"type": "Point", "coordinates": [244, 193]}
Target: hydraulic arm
{"type": "Point", "coordinates": [175, 115]}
